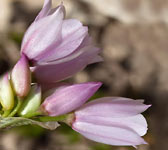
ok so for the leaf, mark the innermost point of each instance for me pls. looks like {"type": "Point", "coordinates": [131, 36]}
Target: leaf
{"type": "Point", "coordinates": [10, 122]}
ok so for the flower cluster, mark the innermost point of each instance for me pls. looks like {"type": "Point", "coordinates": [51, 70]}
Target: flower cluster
{"type": "Point", "coordinates": [53, 49]}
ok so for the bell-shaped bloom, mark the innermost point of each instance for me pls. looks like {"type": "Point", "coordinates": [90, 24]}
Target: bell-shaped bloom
{"type": "Point", "coordinates": [21, 77]}
{"type": "Point", "coordinates": [6, 93]}
{"type": "Point", "coordinates": [68, 98]}
{"type": "Point", "coordinates": [57, 48]}
{"type": "Point", "coordinates": [31, 103]}
{"type": "Point", "coordinates": [112, 120]}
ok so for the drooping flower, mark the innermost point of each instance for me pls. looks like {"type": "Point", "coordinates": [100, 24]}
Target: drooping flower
{"type": "Point", "coordinates": [68, 98]}
{"type": "Point", "coordinates": [56, 47]}
{"type": "Point", "coordinates": [111, 120]}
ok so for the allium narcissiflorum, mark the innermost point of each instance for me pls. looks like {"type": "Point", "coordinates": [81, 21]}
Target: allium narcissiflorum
{"type": "Point", "coordinates": [53, 49]}
{"type": "Point", "coordinates": [56, 46]}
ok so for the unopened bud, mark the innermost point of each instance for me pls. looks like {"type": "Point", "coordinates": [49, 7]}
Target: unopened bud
{"type": "Point", "coordinates": [32, 102]}
{"type": "Point", "coordinates": [6, 93]}
{"type": "Point", "coordinates": [68, 98]}
{"type": "Point", "coordinates": [21, 77]}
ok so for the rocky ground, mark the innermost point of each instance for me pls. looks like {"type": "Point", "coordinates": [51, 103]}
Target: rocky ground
{"type": "Point", "coordinates": [133, 35]}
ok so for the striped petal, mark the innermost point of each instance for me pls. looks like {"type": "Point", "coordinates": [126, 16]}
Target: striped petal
{"type": "Point", "coordinates": [42, 34]}
{"type": "Point", "coordinates": [113, 135]}
{"type": "Point", "coordinates": [114, 107]}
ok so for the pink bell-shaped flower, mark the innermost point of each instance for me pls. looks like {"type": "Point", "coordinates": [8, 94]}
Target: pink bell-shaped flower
{"type": "Point", "coordinates": [56, 47]}
{"type": "Point", "coordinates": [111, 120]}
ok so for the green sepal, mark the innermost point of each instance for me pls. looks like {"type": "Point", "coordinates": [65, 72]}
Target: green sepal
{"type": "Point", "coordinates": [31, 103]}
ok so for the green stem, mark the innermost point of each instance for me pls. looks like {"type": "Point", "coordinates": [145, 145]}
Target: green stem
{"type": "Point", "coordinates": [6, 113]}
{"type": "Point", "coordinates": [32, 114]}
{"type": "Point", "coordinates": [48, 118]}
{"type": "Point", "coordinates": [15, 110]}
{"type": "Point", "coordinates": [9, 123]}
{"type": "Point", "coordinates": [1, 112]}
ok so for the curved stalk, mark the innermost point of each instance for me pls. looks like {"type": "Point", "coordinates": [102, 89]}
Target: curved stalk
{"type": "Point", "coordinates": [15, 110]}
{"type": "Point", "coordinates": [48, 118]}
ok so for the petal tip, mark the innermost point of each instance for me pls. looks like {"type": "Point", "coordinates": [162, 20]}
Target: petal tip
{"type": "Point", "coordinates": [148, 106]}
{"type": "Point", "coordinates": [96, 85]}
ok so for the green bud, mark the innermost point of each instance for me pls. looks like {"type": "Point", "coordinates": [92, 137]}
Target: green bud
{"type": "Point", "coordinates": [6, 93]}
{"type": "Point", "coordinates": [31, 103]}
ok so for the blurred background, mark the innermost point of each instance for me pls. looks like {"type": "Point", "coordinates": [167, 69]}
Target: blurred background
{"type": "Point", "coordinates": [133, 35]}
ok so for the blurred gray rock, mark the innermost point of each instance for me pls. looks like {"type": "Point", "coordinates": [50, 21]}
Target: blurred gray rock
{"type": "Point", "coordinates": [132, 11]}
{"type": "Point", "coordinates": [5, 14]}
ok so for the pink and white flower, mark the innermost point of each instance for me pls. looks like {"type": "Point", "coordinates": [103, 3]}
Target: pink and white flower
{"type": "Point", "coordinates": [112, 120]}
{"type": "Point", "coordinates": [57, 47]}
{"type": "Point", "coordinates": [109, 120]}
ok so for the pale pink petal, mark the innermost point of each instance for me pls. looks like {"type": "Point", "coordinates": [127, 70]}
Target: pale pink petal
{"type": "Point", "coordinates": [113, 107]}
{"type": "Point", "coordinates": [65, 68]}
{"type": "Point", "coordinates": [54, 9]}
{"type": "Point", "coordinates": [73, 34]}
{"type": "Point", "coordinates": [136, 123]}
{"type": "Point", "coordinates": [113, 135]}
{"type": "Point", "coordinates": [42, 34]}
{"type": "Point", "coordinates": [96, 59]}
{"type": "Point", "coordinates": [69, 98]}
{"type": "Point", "coordinates": [49, 89]}
{"type": "Point", "coordinates": [45, 10]}
{"type": "Point", "coordinates": [85, 47]}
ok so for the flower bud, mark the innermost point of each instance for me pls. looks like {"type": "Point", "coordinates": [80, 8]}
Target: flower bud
{"type": "Point", "coordinates": [68, 98]}
{"type": "Point", "coordinates": [21, 77]}
{"type": "Point", "coordinates": [32, 102]}
{"type": "Point", "coordinates": [6, 93]}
